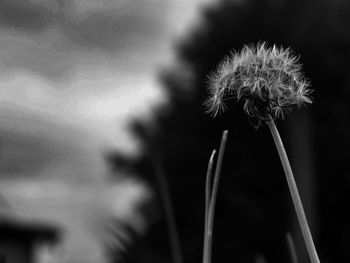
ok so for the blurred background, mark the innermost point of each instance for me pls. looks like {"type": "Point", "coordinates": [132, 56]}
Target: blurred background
{"type": "Point", "coordinates": [104, 137]}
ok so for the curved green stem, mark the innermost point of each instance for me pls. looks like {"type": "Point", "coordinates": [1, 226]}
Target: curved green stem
{"type": "Point", "coordinates": [207, 204]}
{"type": "Point", "coordinates": [210, 210]}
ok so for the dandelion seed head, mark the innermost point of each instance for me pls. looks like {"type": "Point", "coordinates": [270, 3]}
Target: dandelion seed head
{"type": "Point", "coordinates": [268, 80]}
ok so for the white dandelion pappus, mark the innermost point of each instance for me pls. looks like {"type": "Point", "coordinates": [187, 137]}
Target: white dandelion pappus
{"type": "Point", "coordinates": [267, 80]}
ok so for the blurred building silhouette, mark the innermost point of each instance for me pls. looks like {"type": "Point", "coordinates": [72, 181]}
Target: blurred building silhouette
{"type": "Point", "coordinates": [54, 177]}
{"type": "Point", "coordinates": [19, 242]}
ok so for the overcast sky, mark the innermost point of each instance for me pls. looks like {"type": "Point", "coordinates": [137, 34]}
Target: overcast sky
{"type": "Point", "coordinates": [72, 73]}
{"type": "Point", "coordinates": [93, 62]}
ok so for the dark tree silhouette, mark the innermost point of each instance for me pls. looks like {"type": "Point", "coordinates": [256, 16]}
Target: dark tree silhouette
{"type": "Point", "coordinates": [254, 208]}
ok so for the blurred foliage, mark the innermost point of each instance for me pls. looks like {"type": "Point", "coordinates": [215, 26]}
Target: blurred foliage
{"type": "Point", "coordinates": [253, 203]}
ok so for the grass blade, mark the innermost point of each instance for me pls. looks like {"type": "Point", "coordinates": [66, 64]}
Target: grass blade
{"type": "Point", "coordinates": [214, 191]}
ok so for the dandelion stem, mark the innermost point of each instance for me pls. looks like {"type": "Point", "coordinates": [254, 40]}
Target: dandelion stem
{"type": "Point", "coordinates": [212, 202]}
{"type": "Point", "coordinates": [207, 203]}
{"type": "Point", "coordinates": [294, 192]}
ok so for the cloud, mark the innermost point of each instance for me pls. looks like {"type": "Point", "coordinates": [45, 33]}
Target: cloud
{"type": "Point", "coordinates": [54, 38]}
{"type": "Point", "coordinates": [28, 15]}
{"type": "Point", "coordinates": [101, 24]}
{"type": "Point", "coordinates": [114, 29]}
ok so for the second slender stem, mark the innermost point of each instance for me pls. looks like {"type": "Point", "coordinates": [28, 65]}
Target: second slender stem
{"type": "Point", "coordinates": [208, 191]}
{"type": "Point", "coordinates": [213, 196]}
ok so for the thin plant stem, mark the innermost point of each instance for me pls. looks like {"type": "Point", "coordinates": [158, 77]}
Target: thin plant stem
{"type": "Point", "coordinates": [214, 191]}
{"type": "Point", "coordinates": [294, 192]}
{"type": "Point", "coordinates": [168, 209]}
{"type": "Point", "coordinates": [207, 203]}
{"type": "Point", "coordinates": [291, 248]}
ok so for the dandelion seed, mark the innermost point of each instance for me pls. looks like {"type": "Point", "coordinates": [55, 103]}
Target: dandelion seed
{"type": "Point", "coordinates": [267, 80]}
